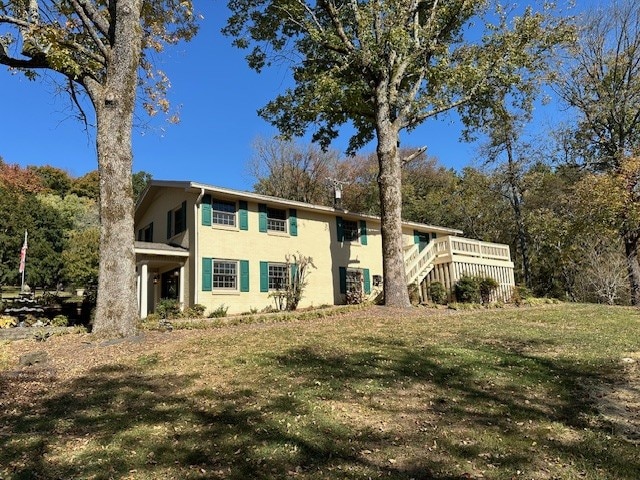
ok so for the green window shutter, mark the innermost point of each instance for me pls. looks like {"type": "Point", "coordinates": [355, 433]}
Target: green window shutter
{"type": "Point", "coordinates": [343, 279]}
{"type": "Point", "coordinates": [416, 237]}
{"type": "Point", "coordinates": [340, 229]}
{"type": "Point", "coordinates": [363, 232]}
{"type": "Point", "coordinates": [367, 281]}
{"type": "Point", "coordinates": [205, 206]}
{"type": "Point", "coordinates": [244, 275]}
{"type": "Point", "coordinates": [294, 272]}
{"type": "Point", "coordinates": [293, 222]}
{"type": "Point", "coordinates": [207, 274]}
{"type": "Point", "coordinates": [140, 235]}
{"type": "Point", "coordinates": [169, 217]}
{"type": "Point", "coordinates": [151, 232]}
{"type": "Point", "coordinates": [433, 236]}
{"type": "Point", "coordinates": [243, 215]}
{"type": "Point", "coordinates": [264, 276]}
{"type": "Point", "coordinates": [262, 217]}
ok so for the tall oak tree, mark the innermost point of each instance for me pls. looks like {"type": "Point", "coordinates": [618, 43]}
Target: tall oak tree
{"type": "Point", "coordinates": [98, 48]}
{"type": "Point", "coordinates": [386, 66]}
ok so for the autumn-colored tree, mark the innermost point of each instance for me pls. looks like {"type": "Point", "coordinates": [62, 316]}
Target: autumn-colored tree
{"type": "Point", "coordinates": [96, 48]}
{"type": "Point", "coordinates": [14, 177]}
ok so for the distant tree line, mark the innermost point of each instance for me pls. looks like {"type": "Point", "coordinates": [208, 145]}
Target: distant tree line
{"type": "Point", "coordinates": [573, 250]}
{"type": "Point", "coordinates": [60, 213]}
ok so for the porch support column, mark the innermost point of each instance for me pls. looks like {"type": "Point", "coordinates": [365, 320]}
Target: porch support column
{"type": "Point", "coordinates": [144, 285]}
{"type": "Point", "coordinates": [181, 288]}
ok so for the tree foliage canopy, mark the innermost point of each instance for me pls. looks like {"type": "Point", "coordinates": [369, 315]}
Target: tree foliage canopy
{"type": "Point", "coordinates": [427, 56]}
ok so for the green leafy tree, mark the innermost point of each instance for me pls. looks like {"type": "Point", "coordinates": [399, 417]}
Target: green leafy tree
{"type": "Point", "coordinates": [81, 257]}
{"type": "Point", "coordinates": [386, 67]}
{"type": "Point", "coordinates": [602, 85]}
{"type": "Point", "coordinates": [55, 180]}
{"type": "Point", "coordinates": [96, 49]}
{"type": "Point", "coordinates": [140, 180]}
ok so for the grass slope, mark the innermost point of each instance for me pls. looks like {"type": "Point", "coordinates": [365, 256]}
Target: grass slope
{"type": "Point", "coordinates": [539, 393]}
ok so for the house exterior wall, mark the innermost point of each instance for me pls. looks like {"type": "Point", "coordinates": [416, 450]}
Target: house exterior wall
{"type": "Point", "coordinates": [310, 230]}
{"type": "Point", "coordinates": [317, 237]}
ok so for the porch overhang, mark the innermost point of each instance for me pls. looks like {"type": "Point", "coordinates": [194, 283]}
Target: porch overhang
{"type": "Point", "coordinates": [152, 259]}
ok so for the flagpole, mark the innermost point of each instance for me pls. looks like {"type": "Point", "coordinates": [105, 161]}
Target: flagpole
{"type": "Point", "coordinates": [23, 257]}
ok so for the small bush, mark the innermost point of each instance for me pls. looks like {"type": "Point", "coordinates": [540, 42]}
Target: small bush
{"type": "Point", "coordinates": [467, 289]}
{"type": "Point", "coordinates": [41, 335]}
{"type": "Point", "coordinates": [195, 311]}
{"type": "Point", "coordinates": [168, 308]}
{"type": "Point", "coordinates": [487, 286]}
{"type": "Point", "coordinates": [437, 293]}
{"type": "Point", "coordinates": [519, 294]}
{"type": "Point", "coordinates": [219, 312]}
{"type": "Point", "coordinates": [60, 321]}
{"type": "Point", "coordinates": [7, 321]}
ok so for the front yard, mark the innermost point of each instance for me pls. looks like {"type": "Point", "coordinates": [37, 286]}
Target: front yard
{"type": "Point", "coordinates": [533, 393]}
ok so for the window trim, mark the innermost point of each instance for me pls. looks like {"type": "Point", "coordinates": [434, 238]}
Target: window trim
{"type": "Point", "coordinates": [285, 278]}
{"type": "Point", "coordinates": [280, 221]}
{"type": "Point", "coordinates": [233, 215]}
{"type": "Point", "coordinates": [236, 275]}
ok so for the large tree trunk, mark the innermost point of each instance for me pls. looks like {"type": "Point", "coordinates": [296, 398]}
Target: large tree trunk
{"type": "Point", "coordinates": [631, 243]}
{"type": "Point", "coordinates": [116, 312]}
{"type": "Point", "coordinates": [390, 182]}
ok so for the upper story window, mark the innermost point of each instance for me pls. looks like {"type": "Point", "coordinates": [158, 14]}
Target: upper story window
{"type": "Point", "coordinates": [145, 234]}
{"type": "Point", "coordinates": [351, 230]}
{"type": "Point", "coordinates": [223, 212]}
{"type": "Point", "coordinates": [276, 219]}
{"type": "Point", "coordinates": [177, 220]}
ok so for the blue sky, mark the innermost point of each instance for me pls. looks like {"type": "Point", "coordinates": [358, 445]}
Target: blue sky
{"type": "Point", "coordinates": [218, 97]}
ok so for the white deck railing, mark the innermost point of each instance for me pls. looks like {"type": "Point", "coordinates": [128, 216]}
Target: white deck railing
{"type": "Point", "coordinates": [418, 263]}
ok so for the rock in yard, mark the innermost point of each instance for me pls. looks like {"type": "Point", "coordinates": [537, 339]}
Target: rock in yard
{"type": "Point", "coordinates": [33, 358]}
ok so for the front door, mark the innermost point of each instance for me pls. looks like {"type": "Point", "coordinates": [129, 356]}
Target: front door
{"type": "Point", "coordinates": [170, 282]}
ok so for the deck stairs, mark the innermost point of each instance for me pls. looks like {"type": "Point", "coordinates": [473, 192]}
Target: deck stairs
{"type": "Point", "coordinates": [419, 263]}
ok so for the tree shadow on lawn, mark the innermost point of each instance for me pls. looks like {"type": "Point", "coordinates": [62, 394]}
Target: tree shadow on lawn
{"type": "Point", "coordinates": [514, 410]}
{"type": "Point", "coordinates": [124, 422]}
{"type": "Point", "coordinates": [117, 423]}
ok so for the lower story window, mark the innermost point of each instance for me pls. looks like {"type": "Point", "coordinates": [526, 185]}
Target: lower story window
{"type": "Point", "coordinates": [354, 280]}
{"type": "Point", "coordinates": [225, 275]}
{"type": "Point", "coordinates": [278, 276]}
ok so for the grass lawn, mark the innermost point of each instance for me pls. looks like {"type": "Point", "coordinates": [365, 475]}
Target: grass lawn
{"type": "Point", "coordinates": [535, 393]}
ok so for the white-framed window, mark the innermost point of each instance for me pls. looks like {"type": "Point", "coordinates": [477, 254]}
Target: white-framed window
{"type": "Point", "coordinates": [276, 219]}
{"type": "Point", "coordinates": [223, 213]}
{"type": "Point", "coordinates": [278, 276]}
{"type": "Point", "coordinates": [354, 280]}
{"type": "Point", "coordinates": [225, 274]}
{"type": "Point", "coordinates": [351, 230]}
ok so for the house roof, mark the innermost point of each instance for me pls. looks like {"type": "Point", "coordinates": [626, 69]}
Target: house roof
{"type": "Point", "coordinates": [202, 188]}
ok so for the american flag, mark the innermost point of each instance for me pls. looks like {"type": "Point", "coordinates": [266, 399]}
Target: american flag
{"type": "Point", "coordinates": [23, 253]}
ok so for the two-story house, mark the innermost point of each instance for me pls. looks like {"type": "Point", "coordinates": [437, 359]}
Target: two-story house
{"type": "Point", "coordinates": [202, 244]}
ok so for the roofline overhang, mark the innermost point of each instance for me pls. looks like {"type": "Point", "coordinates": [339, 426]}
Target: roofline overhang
{"type": "Point", "coordinates": [196, 187]}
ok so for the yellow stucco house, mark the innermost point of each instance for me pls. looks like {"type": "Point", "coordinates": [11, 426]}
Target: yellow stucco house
{"type": "Point", "coordinates": [213, 246]}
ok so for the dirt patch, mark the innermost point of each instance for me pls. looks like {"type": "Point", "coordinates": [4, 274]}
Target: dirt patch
{"type": "Point", "coordinates": [619, 403]}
